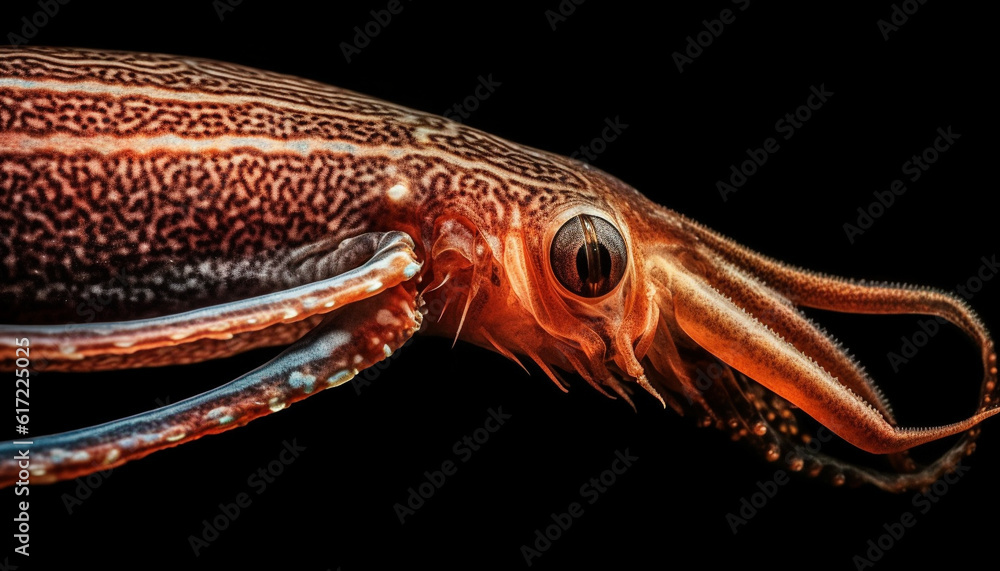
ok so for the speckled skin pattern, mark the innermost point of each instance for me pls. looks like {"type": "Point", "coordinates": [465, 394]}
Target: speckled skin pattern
{"type": "Point", "coordinates": [175, 208]}
{"type": "Point", "coordinates": [198, 167]}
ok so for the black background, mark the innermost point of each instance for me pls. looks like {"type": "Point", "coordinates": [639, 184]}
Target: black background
{"type": "Point", "coordinates": [333, 506]}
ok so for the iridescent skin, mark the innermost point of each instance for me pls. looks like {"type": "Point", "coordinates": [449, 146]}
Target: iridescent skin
{"type": "Point", "coordinates": [209, 208]}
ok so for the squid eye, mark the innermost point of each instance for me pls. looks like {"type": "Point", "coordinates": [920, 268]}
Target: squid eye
{"type": "Point", "coordinates": [588, 256]}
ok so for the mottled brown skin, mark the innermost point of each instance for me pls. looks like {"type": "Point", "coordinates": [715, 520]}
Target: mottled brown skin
{"type": "Point", "coordinates": [138, 186]}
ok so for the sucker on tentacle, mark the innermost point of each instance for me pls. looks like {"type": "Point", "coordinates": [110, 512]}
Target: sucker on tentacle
{"type": "Point", "coordinates": [199, 209]}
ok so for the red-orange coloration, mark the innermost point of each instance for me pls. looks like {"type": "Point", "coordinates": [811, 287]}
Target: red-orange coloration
{"type": "Point", "coordinates": [209, 208]}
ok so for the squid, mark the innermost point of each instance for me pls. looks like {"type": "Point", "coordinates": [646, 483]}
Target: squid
{"type": "Point", "coordinates": [208, 209]}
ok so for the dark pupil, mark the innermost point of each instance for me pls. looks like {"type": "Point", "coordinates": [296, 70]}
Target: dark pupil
{"type": "Point", "coordinates": [593, 277]}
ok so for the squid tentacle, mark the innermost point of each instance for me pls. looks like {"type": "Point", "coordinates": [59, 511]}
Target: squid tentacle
{"type": "Point", "coordinates": [361, 266]}
{"type": "Point", "coordinates": [774, 312]}
{"type": "Point", "coordinates": [811, 289]}
{"type": "Point", "coordinates": [328, 356]}
{"type": "Point", "coordinates": [805, 288]}
{"type": "Point", "coordinates": [358, 317]}
{"type": "Point", "coordinates": [735, 337]}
